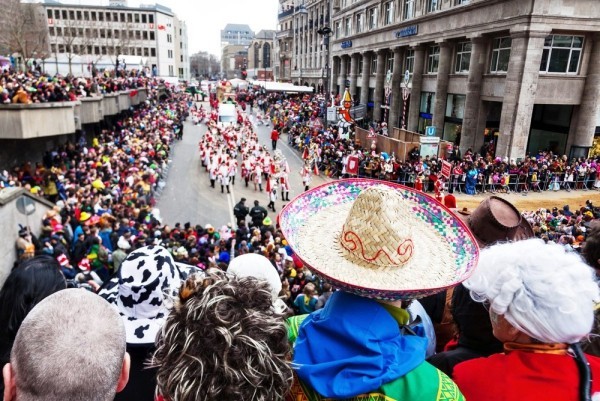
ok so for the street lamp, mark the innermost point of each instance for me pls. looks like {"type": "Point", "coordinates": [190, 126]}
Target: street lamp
{"type": "Point", "coordinates": [326, 33]}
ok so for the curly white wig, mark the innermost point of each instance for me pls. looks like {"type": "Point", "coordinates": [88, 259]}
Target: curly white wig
{"type": "Point", "coordinates": [543, 290]}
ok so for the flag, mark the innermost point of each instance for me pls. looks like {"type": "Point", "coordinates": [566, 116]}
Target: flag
{"type": "Point", "coordinates": [352, 165]}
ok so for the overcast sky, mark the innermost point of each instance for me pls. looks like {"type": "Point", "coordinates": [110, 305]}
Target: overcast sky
{"type": "Point", "coordinates": [206, 18]}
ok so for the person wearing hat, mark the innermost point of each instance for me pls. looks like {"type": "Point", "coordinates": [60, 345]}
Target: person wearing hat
{"type": "Point", "coordinates": [494, 220]}
{"type": "Point", "coordinates": [364, 343]}
{"type": "Point", "coordinates": [541, 303]}
{"type": "Point", "coordinates": [141, 292]}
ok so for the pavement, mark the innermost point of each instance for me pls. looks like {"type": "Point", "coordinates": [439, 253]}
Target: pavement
{"type": "Point", "coordinates": [188, 197]}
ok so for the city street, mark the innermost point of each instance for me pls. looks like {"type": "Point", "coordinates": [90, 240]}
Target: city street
{"type": "Point", "coordinates": [188, 196]}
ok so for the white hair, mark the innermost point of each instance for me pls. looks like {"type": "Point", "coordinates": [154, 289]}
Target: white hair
{"type": "Point", "coordinates": [542, 290]}
{"type": "Point", "coordinates": [70, 347]}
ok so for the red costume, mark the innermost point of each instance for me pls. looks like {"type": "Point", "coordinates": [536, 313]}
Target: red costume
{"type": "Point", "coordinates": [525, 373]}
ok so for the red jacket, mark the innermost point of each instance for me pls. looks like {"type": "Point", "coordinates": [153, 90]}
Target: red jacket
{"type": "Point", "coordinates": [274, 135]}
{"type": "Point", "coordinates": [523, 376]}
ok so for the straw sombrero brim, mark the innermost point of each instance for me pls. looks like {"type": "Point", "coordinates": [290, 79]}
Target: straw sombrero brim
{"type": "Point", "coordinates": [446, 252]}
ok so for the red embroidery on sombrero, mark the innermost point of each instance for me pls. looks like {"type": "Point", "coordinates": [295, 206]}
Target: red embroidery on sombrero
{"type": "Point", "coordinates": [352, 242]}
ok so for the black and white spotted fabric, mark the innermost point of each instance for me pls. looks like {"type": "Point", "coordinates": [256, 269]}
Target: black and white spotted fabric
{"type": "Point", "coordinates": [143, 291]}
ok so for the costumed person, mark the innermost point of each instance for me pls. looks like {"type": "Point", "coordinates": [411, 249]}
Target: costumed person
{"type": "Point", "coordinates": [438, 189]}
{"type": "Point", "coordinates": [257, 176]}
{"type": "Point", "coordinates": [142, 292]}
{"type": "Point", "coordinates": [213, 169]}
{"type": "Point", "coordinates": [305, 173]}
{"type": "Point", "coordinates": [272, 191]}
{"type": "Point", "coordinates": [345, 120]}
{"type": "Point", "coordinates": [471, 180]}
{"type": "Point", "coordinates": [541, 303]}
{"type": "Point", "coordinates": [365, 344]}
{"type": "Point", "coordinates": [223, 176]}
{"type": "Point", "coordinates": [463, 330]}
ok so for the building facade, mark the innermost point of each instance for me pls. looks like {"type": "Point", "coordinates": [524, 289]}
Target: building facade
{"type": "Point", "coordinates": [233, 57]}
{"type": "Point", "coordinates": [236, 34]}
{"type": "Point", "coordinates": [515, 76]}
{"type": "Point", "coordinates": [260, 56]}
{"type": "Point", "coordinates": [302, 50]}
{"type": "Point", "coordinates": [86, 37]}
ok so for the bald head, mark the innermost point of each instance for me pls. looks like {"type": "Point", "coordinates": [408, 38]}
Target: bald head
{"type": "Point", "coordinates": [71, 346]}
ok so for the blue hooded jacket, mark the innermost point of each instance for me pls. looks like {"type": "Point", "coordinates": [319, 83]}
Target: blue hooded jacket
{"type": "Point", "coordinates": [352, 347]}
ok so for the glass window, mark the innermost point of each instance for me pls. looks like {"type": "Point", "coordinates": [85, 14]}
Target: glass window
{"type": "Point", "coordinates": [374, 65]}
{"type": "Point", "coordinates": [409, 9]}
{"type": "Point", "coordinates": [359, 22]}
{"type": "Point", "coordinates": [463, 57]}
{"type": "Point", "coordinates": [348, 28]}
{"type": "Point", "coordinates": [389, 63]}
{"type": "Point", "coordinates": [433, 59]}
{"type": "Point", "coordinates": [561, 54]}
{"type": "Point", "coordinates": [338, 29]}
{"type": "Point", "coordinates": [433, 5]}
{"type": "Point", "coordinates": [427, 102]}
{"type": "Point", "coordinates": [409, 62]}
{"type": "Point", "coordinates": [360, 65]}
{"type": "Point", "coordinates": [372, 18]}
{"type": "Point", "coordinates": [500, 54]}
{"type": "Point", "coordinates": [388, 12]}
{"type": "Point", "coordinates": [136, 18]}
{"type": "Point", "coordinates": [455, 106]}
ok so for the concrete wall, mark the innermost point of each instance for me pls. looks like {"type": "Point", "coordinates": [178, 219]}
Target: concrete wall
{"type": "Point", "coordinates": [91, 110]}
{"type": "Point", "coordinates": [11, 218]}
{"type": "Point", "coordinates": [26, 121]}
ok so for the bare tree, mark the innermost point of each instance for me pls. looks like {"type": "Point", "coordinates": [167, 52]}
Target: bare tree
{"type": "Point", "coordinates": [24, 30]}
{"type": "Point", "coordinates": [203, 64]}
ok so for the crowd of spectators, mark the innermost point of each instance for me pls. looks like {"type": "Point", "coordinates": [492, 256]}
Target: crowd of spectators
{"type": "Point", "coordinates": [35, 87]}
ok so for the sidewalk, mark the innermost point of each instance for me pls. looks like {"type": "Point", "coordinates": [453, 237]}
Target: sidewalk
{"type": "Point", "coordinates": [534, 200]}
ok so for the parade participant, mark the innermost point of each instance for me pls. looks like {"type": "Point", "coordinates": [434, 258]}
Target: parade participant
{"type": "Point", "coordinates": [257, 176]}
{"type": "Point", "coordinates": [541, 304]}
{"type": "Point", "coordinates": [362, 343]}
{"type": "Point", "coordinates": [305, 173]}
{"type": "Point", "coordinates": [274, 138]}
{"type": "Point", "coordinates": [223, 175]}
{"type": "Point", "coordinates": [223, 341]}
{"type": "Point", "coordinates": [272, 195]}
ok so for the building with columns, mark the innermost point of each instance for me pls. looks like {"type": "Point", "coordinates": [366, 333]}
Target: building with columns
{"type": "Point", "coordinates": [516, 76]}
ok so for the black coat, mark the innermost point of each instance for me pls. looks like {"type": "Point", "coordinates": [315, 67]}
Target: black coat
{"type": "Point", "coordinates": [142, 381]}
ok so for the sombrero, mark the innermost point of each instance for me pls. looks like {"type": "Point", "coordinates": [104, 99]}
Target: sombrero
{"type": "Point", "coordinates": [379, 239]}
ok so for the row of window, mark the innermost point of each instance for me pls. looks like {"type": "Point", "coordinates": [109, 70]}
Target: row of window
{"type": "Point", "coordinates": [110, 16]}
{"type": "Point", "coordinates": [103, 50]}
{"type": "Point", "coordinates": [101, 33]}
{"type": "Point", "coordinates": [561, 54]}
{"type": "Point", "coordinates": [368, 20]}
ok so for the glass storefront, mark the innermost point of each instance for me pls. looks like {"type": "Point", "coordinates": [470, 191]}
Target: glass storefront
{"type": "Point", "coordinates": [550, 125]}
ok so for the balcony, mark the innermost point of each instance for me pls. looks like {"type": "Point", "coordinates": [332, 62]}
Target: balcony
{"type": "Point", "coordinates": [284, 34]}
{"type": "Point", "coordinates": [285, 13]}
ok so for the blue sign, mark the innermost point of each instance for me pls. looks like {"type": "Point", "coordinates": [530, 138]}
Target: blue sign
{"type": "Point", "coordinates": [426, 116]}
{"type": "Point", "coordinates": [408, 31]}
{"type": "Point", "coordinates": [430, 130]}
{"type": "Point", "coordinates": [346, 44]}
